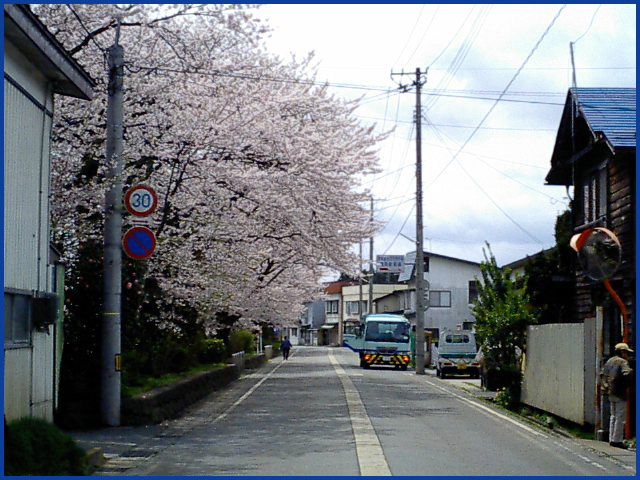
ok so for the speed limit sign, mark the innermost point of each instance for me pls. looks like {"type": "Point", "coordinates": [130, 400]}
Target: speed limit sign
{"type": "Point", "coordinates": [141, 200]}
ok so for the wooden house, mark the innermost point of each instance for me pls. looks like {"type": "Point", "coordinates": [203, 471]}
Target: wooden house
{"type": "Point", "coordinates": [595, 154]}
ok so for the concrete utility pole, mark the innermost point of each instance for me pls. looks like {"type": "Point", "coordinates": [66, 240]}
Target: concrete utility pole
{"type": "Point", "coordinates": [420, 286]}
{"type": "Point", "coordinates": [111, 360]}
{"type": "Point", "coordinates": [371, 263]}
{"type": "Point", "coordinates": [419, 233]}
{"type": "Point", "coordinates": [360, 284]}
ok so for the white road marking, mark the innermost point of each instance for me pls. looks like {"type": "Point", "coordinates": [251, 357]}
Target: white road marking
{"type": "Point", "coordinates": [489, 410]}
{"type": "Point", "coordinates": [246, 395]}
{"type": "Point", "coordinates": [371, 458]}
{"type": "Point", "coordinates": [515, 422]}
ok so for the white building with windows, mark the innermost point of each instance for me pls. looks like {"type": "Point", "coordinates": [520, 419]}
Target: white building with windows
{"type": "Point", "coordinates": [452, 288]}
{"type": "Point", "coordinates": [35, 68]}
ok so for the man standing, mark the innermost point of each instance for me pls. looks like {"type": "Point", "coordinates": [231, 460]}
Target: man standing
{"type": "Point", "coordinates": [286, 347]}
{"type": "Point", "coordinates": [616, 375]}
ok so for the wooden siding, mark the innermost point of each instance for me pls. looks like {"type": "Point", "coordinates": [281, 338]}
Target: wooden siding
{"type": "Point", "coordinates": [621, 171]}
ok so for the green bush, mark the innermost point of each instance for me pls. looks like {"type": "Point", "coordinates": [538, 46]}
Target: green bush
{"type": "Point", "coordinates": [214, 351]}
{"type": "Point", "coordinates": [242, 340]}
{"type": "Point", "coordinates": [36, 447]}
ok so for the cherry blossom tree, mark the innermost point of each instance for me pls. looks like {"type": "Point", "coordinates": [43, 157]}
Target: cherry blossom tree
{"type": "Point", "coordinates": [258, 168]}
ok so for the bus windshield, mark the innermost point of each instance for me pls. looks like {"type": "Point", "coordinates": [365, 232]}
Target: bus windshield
{"type": "Point", "coordinates": [387, 332]}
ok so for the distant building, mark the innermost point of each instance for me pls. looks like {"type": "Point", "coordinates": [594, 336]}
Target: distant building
{"type": "Point", "coordinates": [312, 318]}
{"type": "Point", "coordinates": [36, 67]}
{"type": "Point", "coordinates": [452, 288]}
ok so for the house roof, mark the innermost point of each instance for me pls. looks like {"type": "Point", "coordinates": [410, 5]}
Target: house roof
{"type": "Point", "coordinates": [336, 287]}
{"type": "Point", "coordinates": [611, 111]}
{"type": "Point", "coordinates": [610, 118]}
{"type": "Point", "coordinates": [410, 260]}
{"type": "Point", "coordinates": [24, 29]}
{"type": "Point", "coordinates": [522, 261]}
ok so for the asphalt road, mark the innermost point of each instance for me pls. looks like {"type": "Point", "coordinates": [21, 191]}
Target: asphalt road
{"type": "Point", "coordinates": [320, 414]}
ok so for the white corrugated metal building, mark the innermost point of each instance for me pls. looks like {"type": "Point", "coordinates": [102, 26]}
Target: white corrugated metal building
{"type": "Point", "coordinates": [35, 68]}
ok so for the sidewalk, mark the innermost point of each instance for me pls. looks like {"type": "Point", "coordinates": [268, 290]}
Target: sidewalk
{"type": "Point", "coordinates": [624, 457]}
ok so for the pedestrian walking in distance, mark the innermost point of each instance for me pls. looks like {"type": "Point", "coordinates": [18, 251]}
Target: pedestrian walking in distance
{"type": "Point", "coordinates": [286, 347]}
{"type": "Point", "coordinates": [616, 376]}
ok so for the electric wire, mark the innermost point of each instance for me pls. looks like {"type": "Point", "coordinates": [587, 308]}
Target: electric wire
{"type": "Point", "coordinates": [589, 27]}
{"type": "Point", "coordinates": [515, 76]}
{"type": "Point", "coordinates": [91, 36]}
{"type": "Point", "coordinates": [410, 34]}
{"type": "Point", "coordinates": [426, 30]}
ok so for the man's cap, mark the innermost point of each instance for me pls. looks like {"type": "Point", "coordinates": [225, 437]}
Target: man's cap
{"type": "Point", "coordinates": [621, 347]}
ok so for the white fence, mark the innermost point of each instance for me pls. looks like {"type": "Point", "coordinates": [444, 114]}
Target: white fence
{"type": "Point", "coordinates": [554, 376]}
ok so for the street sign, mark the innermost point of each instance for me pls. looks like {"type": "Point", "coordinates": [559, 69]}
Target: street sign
{"type": "Point", "coordinates": [141, 200]}
{"type": "Point", "coordinates": [139, 243]}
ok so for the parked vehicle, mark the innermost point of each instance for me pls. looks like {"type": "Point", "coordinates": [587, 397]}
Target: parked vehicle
{"type": "Point", "coordinates": [457, 354]}
{"type": "Point", "coordinates": [382, 340]}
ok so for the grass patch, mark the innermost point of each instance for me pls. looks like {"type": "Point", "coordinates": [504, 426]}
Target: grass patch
{"type": "Point", "coordinates": [146, 384]}
{"type": "Point", "coordinates": [37, 447]}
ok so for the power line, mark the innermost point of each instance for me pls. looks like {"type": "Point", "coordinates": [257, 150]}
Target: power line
{"type": "Point", "coordinates": [589, 27]}
{"type": "Point", "coordinates": [91, 36]}
{"type": "Point", "coordinates": [441, 135]}
{"type": "Point", "coordinates": [526, 60]}
{"type": "Point", "coordinates": [426, 30]}
{"type": "Point", "coordinates": [410, 34]}
{"type": "Point", "coordinates": [449, 125]}
{"type": "Point", "coordinates": [400, 231]}
{"type": "Point", "coordinates": [526, 232]}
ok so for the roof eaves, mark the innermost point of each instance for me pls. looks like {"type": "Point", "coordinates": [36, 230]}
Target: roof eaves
{"type": "Point", "coordinates": [24, 28]}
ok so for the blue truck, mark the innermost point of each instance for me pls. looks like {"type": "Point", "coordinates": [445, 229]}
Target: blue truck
{"type": "Point", "coordinates": [384, 339]}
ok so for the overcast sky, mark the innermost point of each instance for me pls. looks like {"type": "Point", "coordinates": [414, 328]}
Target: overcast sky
{"type": "Point", "coordinates": [494, 188]}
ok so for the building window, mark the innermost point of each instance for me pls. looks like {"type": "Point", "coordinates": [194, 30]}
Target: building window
{"type": "Point", "coordinates": [473, 291]}
{"type": "Point", "coordinates": [331, 306]}
{"type": "Point", "coordinates": [294, 332]}
{"type": "Point", "coordinates": [439, 298]}
{"type": "Point", "coordinates": [594, 196]}
{"type": "Point", "coordinates": [352, 308]}
{"type": "Point", "coordinates": [17, 319]}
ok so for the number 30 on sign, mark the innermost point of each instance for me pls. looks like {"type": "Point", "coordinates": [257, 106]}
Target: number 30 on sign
{"type": "Point", "coordinates": [141, 200]}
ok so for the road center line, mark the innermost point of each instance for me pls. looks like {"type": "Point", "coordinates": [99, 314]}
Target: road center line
{"type": "Point", "coordinates": [371, 458]}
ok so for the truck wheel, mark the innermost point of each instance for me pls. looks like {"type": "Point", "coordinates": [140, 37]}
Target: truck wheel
{"type": "Point", "coordinates": [403, 367]}
{"type": "Point", "coordinates": [438, 372]}
{"type": "Point", "coordinates": [442, 374]}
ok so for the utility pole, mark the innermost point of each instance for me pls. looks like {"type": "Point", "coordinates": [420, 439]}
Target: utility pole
{"type": "Point", "coordinates": [371, 261]}
{"type": "Point", "coordinates": [111, 359]}
{"type": "Point", "coordinates": [420, 287]}
{"type": "Point", "coordinates": [360, 284]}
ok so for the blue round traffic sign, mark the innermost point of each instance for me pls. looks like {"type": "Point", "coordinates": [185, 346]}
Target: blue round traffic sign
{"type": "Point", "coordinates": [139, 243]}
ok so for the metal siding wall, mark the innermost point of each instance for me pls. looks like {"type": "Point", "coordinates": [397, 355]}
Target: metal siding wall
{"type": "Point", "coordinates": [17, 383]}
{"type": "Point", "coordinates": [453, 276]}
{"type": "Point", "coordinates": [554, 373]}
{"type": "Point", "coordinates": [42, 396]}
{"type": "Point", "coordinates": [22, 154]}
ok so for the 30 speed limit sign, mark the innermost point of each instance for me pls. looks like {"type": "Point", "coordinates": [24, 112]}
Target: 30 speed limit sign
{"type": "Point", "coordinates": [141, 200]}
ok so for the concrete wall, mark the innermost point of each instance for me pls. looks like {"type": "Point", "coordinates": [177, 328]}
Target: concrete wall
{"type": "Point", "coordinates": [554, 378]}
